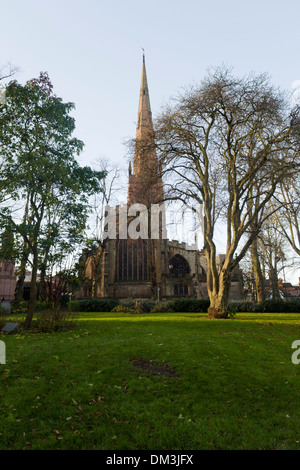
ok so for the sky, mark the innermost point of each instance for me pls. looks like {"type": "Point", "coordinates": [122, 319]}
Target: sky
{"type": "Point", "coordinates": [92, 51]}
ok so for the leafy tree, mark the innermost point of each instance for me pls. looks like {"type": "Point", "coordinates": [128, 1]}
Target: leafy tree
{"type": "Point", "coordinates": [48, 190]}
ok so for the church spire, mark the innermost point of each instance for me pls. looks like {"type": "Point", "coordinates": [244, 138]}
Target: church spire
{"type": "Point", "coordinates": [144, 124]}
{"type": "Point", "coordinates": [145, 183]}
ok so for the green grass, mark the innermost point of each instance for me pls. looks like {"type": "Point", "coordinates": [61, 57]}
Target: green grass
{"type": "Point", "coordinates": [235, 385]}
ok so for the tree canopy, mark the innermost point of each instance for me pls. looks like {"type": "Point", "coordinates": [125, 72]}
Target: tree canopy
{"type": "Point", "coordinates": [43, 190]}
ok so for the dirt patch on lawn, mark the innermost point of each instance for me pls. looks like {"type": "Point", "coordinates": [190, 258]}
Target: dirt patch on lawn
{"type": "Point", "coordinates": [154, 368]}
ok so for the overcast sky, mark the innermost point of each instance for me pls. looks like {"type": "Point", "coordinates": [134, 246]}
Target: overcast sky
{"type": "Point", "coordinates": [92, 50]}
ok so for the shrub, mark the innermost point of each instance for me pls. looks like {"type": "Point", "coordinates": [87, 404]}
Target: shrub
{"type": "Point", "coordinates": [123, 309]}
{"type": "Point", "coordinates": [143, 305]}
{"type": "Point", "coordinates": [146, 304]}
{"type": "Point", "coordinates": [161, 307]}
{"type": "Point", "coordinates": [128, 303]}
{"type": "Point", "coordinates": [140, 307]}
{"type": "Point", "coordinates": [48, 321]}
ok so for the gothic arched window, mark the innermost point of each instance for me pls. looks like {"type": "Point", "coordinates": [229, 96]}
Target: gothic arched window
{"type": "Point", "coordinates": [179, 266]}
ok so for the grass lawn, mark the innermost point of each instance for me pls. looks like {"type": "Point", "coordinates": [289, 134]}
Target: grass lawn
{"type": "Point", "coordinates": [153, 381]}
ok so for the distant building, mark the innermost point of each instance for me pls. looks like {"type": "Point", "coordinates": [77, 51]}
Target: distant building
{"type": "Point", "coordinates": [288, 291]}
{"type": "Point", "coordinates": [8, 279]}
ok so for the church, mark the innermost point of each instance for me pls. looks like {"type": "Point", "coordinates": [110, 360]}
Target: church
{"type": "Point", "coordinates": [147, 266]}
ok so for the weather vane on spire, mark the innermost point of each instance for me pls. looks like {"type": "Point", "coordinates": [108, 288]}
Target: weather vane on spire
{"type": "Point", "coordinates": [143, 54]}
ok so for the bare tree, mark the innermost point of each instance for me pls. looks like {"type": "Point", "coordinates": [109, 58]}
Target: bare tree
{"type": "Point", "coordinates": [95, 249]}
{"type": "Point", "coordinates": [287, 211]}
{"type": "Point", "coordinates": [272, 247]}
{"type": "Point", "coordinates": [7, 71]}
{"type": "Point", "coordinates": [228, 144]}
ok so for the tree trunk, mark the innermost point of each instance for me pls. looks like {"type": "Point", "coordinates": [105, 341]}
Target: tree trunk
{"type": "Point", "coordinates": [274, 283]}
{"type": "Point", "coordinates": [32, 300]}
{"type": "Point", "coordinates": [97, 271]}
{"type": "Point", "coordinates": [24, 260]}
{"type": "Point", "coordinates": [258, 276]}
{"type": "Point", "coordinates": [219, 298]}
{"type": "Point", "coordinates": [22, 275]}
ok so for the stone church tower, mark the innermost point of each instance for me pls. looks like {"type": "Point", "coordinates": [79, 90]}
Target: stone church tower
{"type": "Point", "coordinates": [147, 266]}
{"type": "Point", "coordinates": [145, 184]}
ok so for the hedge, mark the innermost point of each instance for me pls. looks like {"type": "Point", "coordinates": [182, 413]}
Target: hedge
{"type": "Point", "coordinates": [92, 305]}
{"type": "Point", "coordinates": [268, 306]}
{"type": "Point", "coordinates": [183, 305]}
{"type": "Point", "coordinates": [189, 305]}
